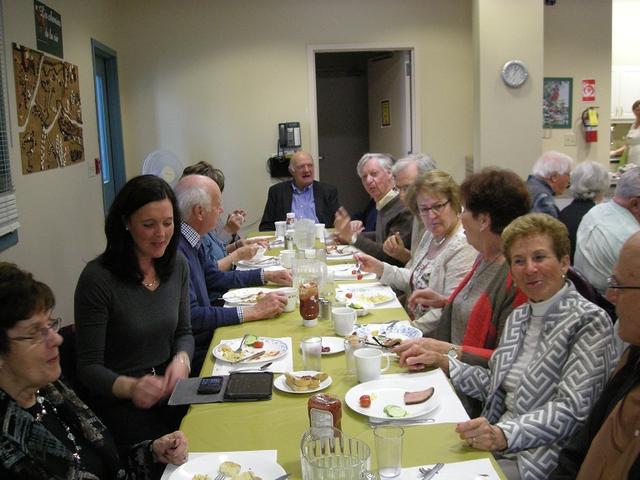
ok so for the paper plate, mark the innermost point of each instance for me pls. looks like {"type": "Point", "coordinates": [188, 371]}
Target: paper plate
{"type": "Point", "coordinates": [390, 391]}
{"type": "Point", "coordinates": [208, 465]}
{"type": "Point", "coordinates": [398, 330]}
{"type": "Point", "coordinates": [341, 251]}
{"type": "Point", "coordinates": [281, 384]}
{"type": "Point", "coordinates": [244, 296]}
{"type": "Point", "coordinates": [373, 295]}
{"type": "Point", "coordinates": [335, 344]}
{"type": "Point", "coordinates": [272, 347]}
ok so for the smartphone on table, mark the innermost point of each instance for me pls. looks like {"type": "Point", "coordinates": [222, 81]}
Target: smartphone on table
{"type": "Point", "coordinates": [210, 385]}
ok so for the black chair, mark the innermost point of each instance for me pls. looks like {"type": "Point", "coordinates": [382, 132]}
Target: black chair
{"type": "Point", "coordinates": [584, 287]}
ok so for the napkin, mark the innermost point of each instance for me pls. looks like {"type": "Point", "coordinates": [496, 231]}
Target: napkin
{"type": "Point", "coordinates": [342, 288]}
{"type": "Point", "coordinates": [266, 455]}
{"type": "Point", "coordinates": [481, 469]}
{"type": "Point", "coordinates": [280, 365]}
{"type": "Point", "coordinates": [450, 409]}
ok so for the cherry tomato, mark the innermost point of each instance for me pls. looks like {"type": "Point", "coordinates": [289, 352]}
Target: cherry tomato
{"type": "Point", "coordinates": [365, 401]}
{"type": "Point", "coordinates": [258, 344]}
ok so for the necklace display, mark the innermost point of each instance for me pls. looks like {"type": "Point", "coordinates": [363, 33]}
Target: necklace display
{"type": "Point", "coordinates": [477, 273]}
{"type": "Point", "coordinates": [43, 412]}
{"type": "Point", "coordinates": [441, 241]}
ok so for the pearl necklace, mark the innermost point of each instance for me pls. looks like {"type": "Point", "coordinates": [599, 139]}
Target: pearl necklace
{"type": "Point", "coordinates": [40, 416]}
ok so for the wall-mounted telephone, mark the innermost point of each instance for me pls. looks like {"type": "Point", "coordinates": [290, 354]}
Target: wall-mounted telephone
{"type": "Point", "coordinates": [289, 135]}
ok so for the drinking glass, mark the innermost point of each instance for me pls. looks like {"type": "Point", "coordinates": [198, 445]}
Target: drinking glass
{"type": "Point", "coordinates": [311, 351]}
{"type": "Point", "coordinates": [304, 234]}
{"type": "Point", "coordinates": [388, 442]}
{"type": "Point", "coordinates": [351, 344]}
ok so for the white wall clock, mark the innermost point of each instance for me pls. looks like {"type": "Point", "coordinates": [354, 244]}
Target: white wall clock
{"type": "Point", "coordinates": [514, 73]}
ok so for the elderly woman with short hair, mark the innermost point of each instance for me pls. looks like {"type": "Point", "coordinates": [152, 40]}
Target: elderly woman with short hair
{"type": "Point", "coordinates": [589, 182]}
{"type": "Point", "coordinates": [443, 256]}
{"type": "Point", "coordinates": [549, 177]}
{"type": "Point", "coordinates": [554, 357]}
{"type": "Point", "coordinates": [46, 430]}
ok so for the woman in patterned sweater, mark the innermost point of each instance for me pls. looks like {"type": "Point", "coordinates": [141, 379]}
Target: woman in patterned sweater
{"type": "Point", "coordinates": [554, 357]}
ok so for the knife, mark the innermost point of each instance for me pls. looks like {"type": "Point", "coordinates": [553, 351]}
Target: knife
{"type": "Point", "coordinates": [284, 477]}
{"type": "Point", "coordinates": [250, 357]}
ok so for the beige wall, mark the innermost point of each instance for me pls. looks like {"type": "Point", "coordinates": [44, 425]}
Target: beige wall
{"type": "Point", "coordinates": [507, 129]}
{"type": "Point", "coordinates": [60, 210]}
{"type": "Point", "coordinates": [212, 82]}
{"type": "Point", "coordinates": [577, 43]}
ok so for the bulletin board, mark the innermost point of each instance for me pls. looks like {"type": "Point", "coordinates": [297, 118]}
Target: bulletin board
{"type": "Point", "coordinates": [49, 110]}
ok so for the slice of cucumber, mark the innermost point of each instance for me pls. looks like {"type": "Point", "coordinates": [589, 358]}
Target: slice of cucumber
{"type": "Point", "coordinates": [250, 340]}
{"type": "Point", "coordinates": [394, 411]}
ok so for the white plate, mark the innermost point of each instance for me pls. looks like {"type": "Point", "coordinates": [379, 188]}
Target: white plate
{"type": "Point", "coordinates": [264, 261]}
{"type": "Point", "coordinates": [241, 296]}
{"type": "Point", "coordinates": [281, 384]}
{"type": "Point", "coordinates": [273, 347]}
{"type": "Point", "coordinates": [208, 465]}
{"type": "Point", "coordinates": [390, 391]}
{"type": "Point", "coordinates": [374, 295]}
{"type": "Point", "coordinates": [335, 344]}
{"type": "Point", "coordinates": [342, 251]}
{"type": "Point", "coordinates": [398, 330]}
{"type": "Point", "coordinates": [345, 272]}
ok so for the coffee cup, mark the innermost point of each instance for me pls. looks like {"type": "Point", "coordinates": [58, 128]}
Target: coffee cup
{"type": "Point", "coordinates": [344, 319]}
{"type": "Point", "coordinates": [292, 298]}
{"type": "Point", "coordinates": [369, 363]}
{"type": "Point", "coordinates": [286, 258]}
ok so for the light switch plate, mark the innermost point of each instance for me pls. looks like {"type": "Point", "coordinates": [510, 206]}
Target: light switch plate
{"type": "Point", "coordinates": [570, 140]}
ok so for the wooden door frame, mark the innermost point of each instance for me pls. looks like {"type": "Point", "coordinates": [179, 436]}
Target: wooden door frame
{"type": "Point", "coordinates": [361, 47]}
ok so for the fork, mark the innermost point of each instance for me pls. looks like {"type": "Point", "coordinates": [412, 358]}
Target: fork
{"type": "Point", "coordinates": [239, 349]}
{"type": "Point", "coordinates": [428, 473]}
{"type": "Point", "coordinates": [220, 476]}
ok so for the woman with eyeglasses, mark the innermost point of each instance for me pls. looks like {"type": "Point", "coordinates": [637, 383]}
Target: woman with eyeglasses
{"type": "Point", "coordinates": [46, 430]}
{"type": "Point", "coordinates": [473, 315]}
{"type": "Point", "coordinates": [132, 315]}
{"type": "Point", "coordinates": [554, 357]}
{"type": "Point", "coordinates": [443, 256]}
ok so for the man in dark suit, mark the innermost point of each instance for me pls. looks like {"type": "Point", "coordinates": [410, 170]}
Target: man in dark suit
{"type": "Point", "coordinates": [303, 196]}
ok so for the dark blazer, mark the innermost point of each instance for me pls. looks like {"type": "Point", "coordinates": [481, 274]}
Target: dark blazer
{"type": "Point", "coordinates": [279, 204]}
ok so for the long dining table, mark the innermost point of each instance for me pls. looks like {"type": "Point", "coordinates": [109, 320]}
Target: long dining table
{"type": "Point", "coordinates": [279, 423]}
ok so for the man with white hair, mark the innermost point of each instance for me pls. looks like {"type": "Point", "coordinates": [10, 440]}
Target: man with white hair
{"type": "Point", "coordinates": [303, 196]}
{"type": "Point", "coordinates": [405, 171]}
{"type": "Point", "coordinates": [549, 177]}
{"type": "Point", "coordinates": [604, 229]}
{"type": "Point", "coordinates": [393, 216]}
{"type": "Point", "coordinates": [200, 204]}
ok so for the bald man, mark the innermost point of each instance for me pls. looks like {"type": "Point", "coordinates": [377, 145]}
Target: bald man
{"type": "Point", "coordinates": [302, 195]}
{"type": "Point", "coordinates": [608, 446]}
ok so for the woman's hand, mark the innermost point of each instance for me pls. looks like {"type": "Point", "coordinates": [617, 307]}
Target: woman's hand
{"type": "Point", "coordinates": [234, 221]}
{"type": "Point", "coordinates": [176, 370]}
{"type": "Point", "coordinates": [147, 391]}
{"type": "Point", "coordinates": [432, 344]}
{"type": "Point", "coordinates": [369, 264]}
{"type": "Point", "coordinates": [171, 448]}
{"type": "Point", "coordinates": [394, 247]}
{"type": "Point", "coordinates": [480, 434]}
{"type": "Point", "coordinates": [245, 252]}
{"type": "Point", "coordinates": [417, 357]}
{"type": "Point", "coordinates": [279, 277]}
{"type": "Point", "coordinates": [356, 226]}
{"type": "Point", "coordinates": [426, 296]}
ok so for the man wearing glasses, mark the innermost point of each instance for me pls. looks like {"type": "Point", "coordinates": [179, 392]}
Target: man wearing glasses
{"type": "Point", "coordinates": [608, 446]}
{"type": "Point", "coordinates": [605, 228]}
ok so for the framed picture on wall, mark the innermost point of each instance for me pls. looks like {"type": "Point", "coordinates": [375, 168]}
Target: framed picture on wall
{"type": "Point", "coordinates": [556, 103]}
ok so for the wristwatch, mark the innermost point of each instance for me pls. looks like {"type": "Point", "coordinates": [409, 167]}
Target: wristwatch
{"type": "Point", "coordinates": [454, 352]}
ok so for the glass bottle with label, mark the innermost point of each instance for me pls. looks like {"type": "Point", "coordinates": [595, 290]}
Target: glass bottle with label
{"type": "Point", "coordinates": [325, 413]}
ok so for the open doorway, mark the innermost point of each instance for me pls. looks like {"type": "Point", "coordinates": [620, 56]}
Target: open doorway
{"type": "Point", "coordinates": [364, 102]}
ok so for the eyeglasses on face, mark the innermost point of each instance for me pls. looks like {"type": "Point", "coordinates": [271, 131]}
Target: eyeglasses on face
{"type": "Point", "coordinates": [612, 282]}
{"type": "Point", "coordinates": [436, 209]}
{"type": "Point", "coordinates": [40, 334]}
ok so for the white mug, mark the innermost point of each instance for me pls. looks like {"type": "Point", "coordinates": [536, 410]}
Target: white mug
{"type": "Point", "coordinates": [292, 298]}
{"type": "Point", "coordinates": [368, 364]}
{"type": "Point", "coordinates": [286, 258]}
{"type": "Point", "coordinates": [343, 319]}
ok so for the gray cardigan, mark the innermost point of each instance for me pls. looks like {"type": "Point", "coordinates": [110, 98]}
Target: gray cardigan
{"type": "Point", "coordinates": [569, 369]}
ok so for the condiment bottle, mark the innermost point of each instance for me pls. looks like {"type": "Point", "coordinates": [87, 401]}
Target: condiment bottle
{"type": "Point", "coordinates": [325, 413]}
